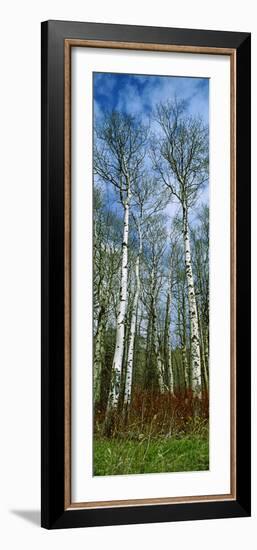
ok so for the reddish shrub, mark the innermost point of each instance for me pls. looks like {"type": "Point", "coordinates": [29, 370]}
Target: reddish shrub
{"type": "Point", "coordinates": [157, 414]}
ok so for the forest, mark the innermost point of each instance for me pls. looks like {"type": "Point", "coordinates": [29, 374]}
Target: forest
{"type": "Point", "coordinates": [151, 290]}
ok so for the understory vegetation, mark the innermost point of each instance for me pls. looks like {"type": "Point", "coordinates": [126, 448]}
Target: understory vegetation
{"type": "Point", "coordinates": [152, 455]}
{"type": "Point", "coordinates": [161, 434]}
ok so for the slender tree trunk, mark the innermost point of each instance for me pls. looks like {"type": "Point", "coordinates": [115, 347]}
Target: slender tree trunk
{"type": "Point", "coordinates": [166, 341]}
{"type": "Point", "coordinates": [148, 353]}
{"type": "Point", "coordinates": [206, 348]}
{"type": "Point", "coordinates": [183, 333]}
{"type": "Point", "coordinates": [106, 373]}
{"type": "Point", "coordinates": [151, 378]}
{"type": "Point", "coordinates": [159, 362]}
{"type": "Point", "coordinates": [186, 364]}
{"type": "Point", "coordinates": [177, 372]}
{"type": "Point", "coordinates": [194, 325]}
{"type": "Point", "coordinates": [131, 345]}
{"type": "Point", "coordinates": [203, 358]}
{"type": "Point", "coordinates": [167, 351]}
{"type": "Point", "coordinates": [120, 331]}
{"type": "Point", "coordinates": [125, 353]}
{"type": "Point", "coordinates": [171, 372]}
{"type": "Point", "coordinates": [159, 366]}
{"type": "Point", "coordinates": [139, 355]}
{"type": "Point", "coordinates": [99, 354]}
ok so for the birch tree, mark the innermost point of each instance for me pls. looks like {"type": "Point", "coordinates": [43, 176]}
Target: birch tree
{"type": "Point", "coordinates": [182, 315]}
{"type": "Point", "coordinates": [155, 245]}
{"type": "Point", "coordinates": [168, 368]}
{"type": "Point", "coordinates": [131, 340]}
{"type": "Point", "coordinates": [181, 160]}
{"type": "Point", "coordinates": [200, 241]}
{"type": "Point", "coordinates": [106, 264]}
{"type": "Point", "coordinates": [147, 200]}
{"type": "Point", "coordinates": [168, 374]}
{"type": "Point", "coordinates": [118, 159]}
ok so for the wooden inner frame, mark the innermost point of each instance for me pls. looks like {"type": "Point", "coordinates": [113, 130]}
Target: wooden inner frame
{"type": "Point", "coordinates": [68, 44]}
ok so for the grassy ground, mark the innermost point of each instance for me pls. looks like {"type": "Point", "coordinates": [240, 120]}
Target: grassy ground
{"type": "Point", "coordinates": [173, 454]}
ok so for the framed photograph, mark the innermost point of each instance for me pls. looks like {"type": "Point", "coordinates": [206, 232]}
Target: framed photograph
{"type": "Point", "coordinates": [145, 274]}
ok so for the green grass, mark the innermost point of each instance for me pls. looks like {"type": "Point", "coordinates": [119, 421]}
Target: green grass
{"type": "Point", "coordinates": [155, 455]}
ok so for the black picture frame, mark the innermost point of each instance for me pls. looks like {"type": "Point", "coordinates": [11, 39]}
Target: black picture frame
{"type": "Point", "coordinates": [54, 514]}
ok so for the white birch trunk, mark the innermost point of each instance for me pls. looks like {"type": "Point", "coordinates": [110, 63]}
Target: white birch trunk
{"type": "Point", "coordinates": [185, 366]}
{"type": "Point", "coordinates": [171, 373]}
{"type": "Point", "coordinates": [204, 368]}
{"type": "Point", "coordinates": [159, 367]}
{"type": "Point", "coordinates": [129, 373]}
{"type": "Point", "coordinates": [157, 351]}
{"type": "Point", "coordinates": [182, 320]}
{"type": "Point", "coordinates": [167, 348]}
{"type": "Point", "coordinates": [195, 337]}
{"type": "Point", "coordinates": [120, 331]}
{"type": "Point", "coordinates": [206, 350]}
{"type": "Point", "coordinates": [98, 360]}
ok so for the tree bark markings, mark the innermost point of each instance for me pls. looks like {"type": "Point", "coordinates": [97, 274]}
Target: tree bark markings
{"type": "Point", "coordinates": [194, 325]}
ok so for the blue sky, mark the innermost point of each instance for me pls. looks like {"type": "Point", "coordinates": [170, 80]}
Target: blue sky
{"type": "Point", "coordinates": [138, 94]}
